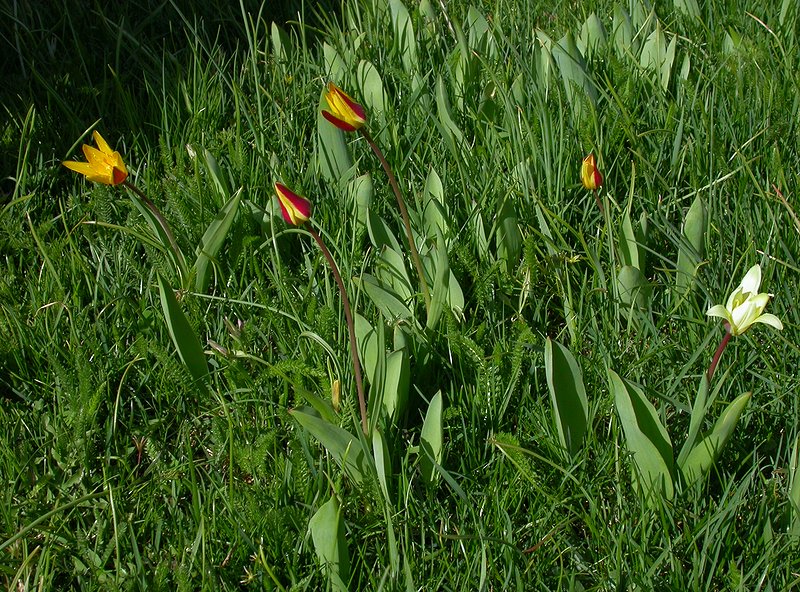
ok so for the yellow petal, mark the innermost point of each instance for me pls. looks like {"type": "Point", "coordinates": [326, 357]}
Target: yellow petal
{"type": "Point", "coordinates": [101, 143]}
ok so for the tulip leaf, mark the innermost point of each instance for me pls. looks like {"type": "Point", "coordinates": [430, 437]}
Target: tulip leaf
{"type": "Point", "coordinates": [372, 89]}
{"type": "Point", "coordinates": [396, 384]}
{"type": "Point", "coordinates": [212, 241]}
{"type": "Point", "coordinates": [404, 35]}
{"type": "Point", "coordinates": [391, 271]}
{"type": "Point", "coordinates": [646, 437]}
{"type": "Point", "coordinates": [281, 44]}
{"type": "Point", "coordinates": [388, 303]}
{"type": "Point", "coordinates": [447, 127]}
{"type": "Point", "coordinates": [434, 215]}
{"type": "Point", "coordinates": [706, 452]}
{"type": "Point", "coordinates": [479, 36]}
{"type": "Point", "coordinates": [572, 67]}
{"type": "Point", "coordinates": [692, 246]}
{"type": "Point", "coordinates": [333, 158]}
{"type": "Point", "coordinates": [634, 289]}
{"type": "Point", "coordinates": [689, 8]}
{"type": "Point", "coordinates": [361, 190]}
{"type": "Point", "coordinates": [380, 453]}
{"type": "Point", "coordinates": [623, 32]}
{"type": "Point", "coordinates": [567, 395]}
{"type": "Point", "coordinates": [431, 439]}
{"type": "Point", "coordinates": [217, 176]}
{"type": "Point", "coordinates": [628, 249]}
{"type": "Point", "coordinates": [182, 334]}
{"type": "Point", "coordinates": [508, 237]}
{"type": "Point", "coordinates": [344, 447]}
{"type": "Point", "coordinates": [592, 36]}
{"type": "Point", "coordinates": [335, 68]}
{"type": "Point", "coordinates": [794, 488]}
{"type": "Point", "coordinates": [479, 232]}
{"type": "Point", "coordinates": [440, 296]}
{"type": "Point", "coordinates": [370, 347]}
{"type": "Point", "coordinates": [330, 543]}
{"type": "Point", "coordinates": [699, 408]}
{"type": "Point", "coordinates": [380, 235]}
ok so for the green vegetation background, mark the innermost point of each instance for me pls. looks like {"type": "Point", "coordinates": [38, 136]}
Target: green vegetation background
{"type": "Point", "coordinates": [118, 473]}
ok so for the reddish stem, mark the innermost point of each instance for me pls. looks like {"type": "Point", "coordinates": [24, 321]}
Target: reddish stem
{"type": "Point", "coordinates": [351, 329]}
{"type": "Point", "coordinates": [718, 353]}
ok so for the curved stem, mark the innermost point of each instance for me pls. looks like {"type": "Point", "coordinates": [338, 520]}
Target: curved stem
{"type": "Point", "coordinates": [164, 226]}
{"type": "Point", "coordinates": [718, 353]}
{"type": "Point", "coordinates": [404, 213]}
{"type": "Point", "coordinates": [351, 328]}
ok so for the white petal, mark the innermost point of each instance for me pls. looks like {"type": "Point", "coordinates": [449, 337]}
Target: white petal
{"type": "Point", "coordinates": [771, 320]}
{"type": "Point", "coordinates": [719, 311]}
{"type": "Point", "coordinates": [752, 280]}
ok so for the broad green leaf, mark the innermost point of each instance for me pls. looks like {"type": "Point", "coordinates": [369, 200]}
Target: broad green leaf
{"type": "Point", "coordinates": [396, 384]}
{"type": "Point", "coordinates": [794, 488]}
{"type": "Point", "coordinates": [175, 256]}
{"type": "Point", "coordinates": [647, 439]}
{"type": "Point", "coordinates": [479, 36]}
{"type": "Point", "coordinates": [567, 394]}
{"type": "Point", "coordinates": [447, 127]}
{"type": "Point", "coordinates": [455, 296]}
{"type": "Point", "coordinates": [217, 176]}
{"type": "Point", "coordinates": [383, 466]}
{"type": "Point", "coordinates": [689, 8]}
{"type": "Point", "coordinates": [440, 295]}
{"type": "Point", "coordinates": [431, 439]}
{"type": "Point", "coordinates": [634, 289]}
{"type": "Point", "coordinates": [592, 36]}
{"type": "Point", "coordinates": [508, 237]}
{"type": "Point", "coordinates": [692, 248]}
{"type": "Point", "coordinates": [707, 451]}
{"type": "Point", "coordinates": [333, 158]}
{"type": "Point", "coordinates": [183, 336]}
{"type": "Point", "coordinates": [335, 68]}
{"type": "Point", "coordinates": [380, 234]}
{"type": "Point", "coordinates": [389, 303]}
{"type": "Point", "coordinates": [479, 232]}
{"type": "Point", "coordinates": [572, 66]}
{"type": "Point", "coordinates": [330, 543]}
{"type": "Point", "coordinates": [434, 215]}
{"type": "Point", "coordinates": [628, 249]}
{"type": "Point", "coordinates": [212, 241]}
{"type": "Point", "coordinates": [404, 35]}
{"type": "Point", "coordinates": [372, 89]}
{"type": "Point", "coordinates": [369, 347]}
{"type": "Point", "coordinates": [344, 447]}
{"type": "Point", "coordinates": [281, 44]}
{"type": "Point", "coordinates": [361, 191]}
{"type": "Point", "coordinates": [623, 33]}
{"type": "Point", "coordinates": [699, 408]}
{"type": "Point", "coordinates": [391, 271]}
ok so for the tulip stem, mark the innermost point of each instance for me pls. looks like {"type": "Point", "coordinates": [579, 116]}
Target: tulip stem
{"type": "Point", "coordinates": [404, 213]}
{"type": "Point", "coordinates": [351, 329]}
{"type": "Point", "coordinates": [164, 226]}
{"type": "Point", "coordinates": [598, 202]}
{"type": "Point", "coordinates": [718, 353]}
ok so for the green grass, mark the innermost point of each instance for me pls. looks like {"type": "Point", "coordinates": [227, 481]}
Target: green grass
{"type": "Point", "coordinates": [120, 472]}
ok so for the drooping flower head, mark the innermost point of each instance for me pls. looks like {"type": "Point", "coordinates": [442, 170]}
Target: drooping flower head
{"type": "Point", "coordinates": [343, 112]}
{"type": "Point", "coordinates": [102, 166]}
{"type": "Point", "coordinates": [590, 176]}
{"type": "Point", "coordinates": [296, 209]}
{"type": "Point", "coordinates": [745, 305]}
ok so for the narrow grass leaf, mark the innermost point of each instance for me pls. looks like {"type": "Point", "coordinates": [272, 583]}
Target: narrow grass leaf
{"type": "Point", "coordinates": [212, 241]}
{"type": "Point", "coordinates": [794, 488]}
{"type": "Point", "coordinates": [699, 461]}
{"type": "Point", "coordinates": [431, 439]}
{"type": "Point", "coordinates": [567, 395]}
{"type": "Point", "coordinates": [183, 336]}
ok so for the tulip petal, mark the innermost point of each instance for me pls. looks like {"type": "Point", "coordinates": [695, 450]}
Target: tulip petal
{"type": "Point", "coordinates": [83, 168]}
{"type": "Point", "coordinates": [752, 280]}
{"type": "Point", "coordinates": [101, 143]}
{"type": "Point", "coordinates": [771, 320]}
{"type": "Point", "coordinates": [342, 125]}
{"type": "Point", "coordinates": [719, 311]}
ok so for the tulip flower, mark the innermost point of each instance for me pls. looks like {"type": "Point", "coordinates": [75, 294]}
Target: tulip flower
{"type": "Point", "coordinates": [103, 166]}
{"type": "Point", "coordinates": [590, 176]}
{"type": "Point", "coordinates": [296, 209]}
{"type": "Point", "coordinates": [746, 305]}
{"type": "Point", "coordinates": [344, 112]}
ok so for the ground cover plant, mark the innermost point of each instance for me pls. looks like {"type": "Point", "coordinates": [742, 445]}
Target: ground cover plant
{"type": "Point", "coordinates": [397, 295]}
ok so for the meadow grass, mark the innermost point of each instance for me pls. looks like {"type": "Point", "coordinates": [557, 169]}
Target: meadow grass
{"type": "Point", "coordinates": [123, 471]}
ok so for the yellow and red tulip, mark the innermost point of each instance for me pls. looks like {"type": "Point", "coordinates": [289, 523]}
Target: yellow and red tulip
{"type": "Point", "coordinates": [590, 176]}
{"type": "Point", "coordinates": [296, 209]}
{"type": "Point", "coordinates": [343, 111]}
{"type": "Point", "coordinates": [102, 166]}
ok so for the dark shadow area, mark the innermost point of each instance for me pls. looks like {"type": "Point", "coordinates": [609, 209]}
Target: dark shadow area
{"type": "Point", "coordinates": [75, 62]}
